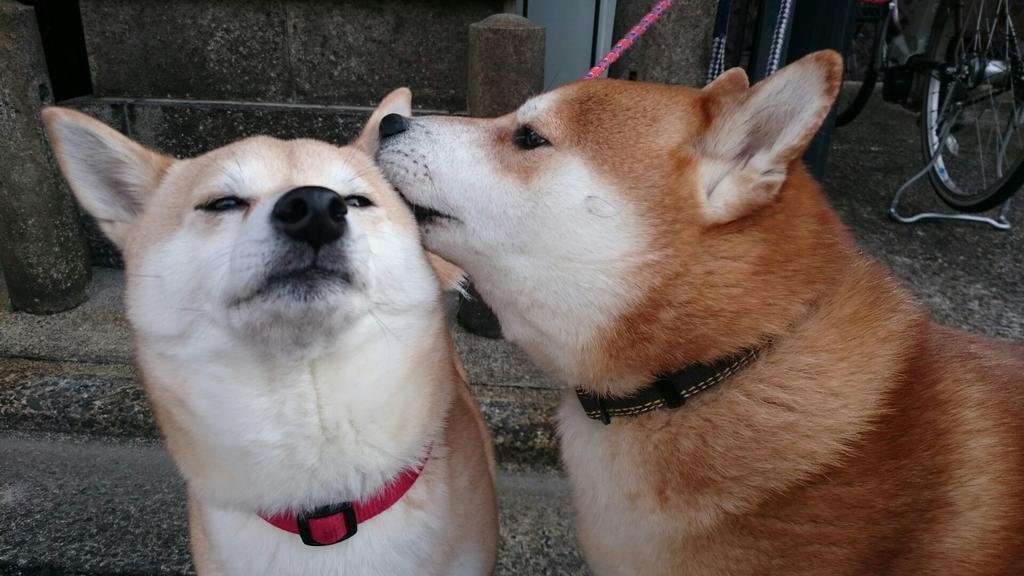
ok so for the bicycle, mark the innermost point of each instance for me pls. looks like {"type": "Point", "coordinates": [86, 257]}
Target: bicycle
{"type": "Point", "coordinates": [968, 83]}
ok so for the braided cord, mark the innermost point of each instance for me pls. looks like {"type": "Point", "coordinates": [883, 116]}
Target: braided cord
{"type": "Point", "coordinates": [779, 37]}
{"type": "Point", "coordinates": [718, 41]}
{"type": "Point", "coordinates": [627, 41]}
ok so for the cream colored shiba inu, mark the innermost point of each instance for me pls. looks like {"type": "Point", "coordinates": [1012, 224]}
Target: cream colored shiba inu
{"type": "Point", "coordinates": [292, 339]}
{"type": "Point", "coordinates": [747, 392]}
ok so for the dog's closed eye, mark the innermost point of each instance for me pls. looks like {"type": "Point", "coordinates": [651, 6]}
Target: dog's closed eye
{"type": "Point", "coordinates": [357, 201]}
{"type": "Point", "coordinates": [223, 204]}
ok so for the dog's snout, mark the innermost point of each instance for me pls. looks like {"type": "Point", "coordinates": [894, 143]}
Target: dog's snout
{"type": "Point", "coordinates": [393, 124]}
{"type": "Point", "coordinates": [311, 214]}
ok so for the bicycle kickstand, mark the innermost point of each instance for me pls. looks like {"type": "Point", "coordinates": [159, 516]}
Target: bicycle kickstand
{"type": "Point", "coordinates": [1000, 221]}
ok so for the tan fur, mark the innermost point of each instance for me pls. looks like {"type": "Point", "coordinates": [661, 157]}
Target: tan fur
{"type": "Point", "coordinates": [463, 466]}
{"type": "Point", "coordinates": [866, 439]}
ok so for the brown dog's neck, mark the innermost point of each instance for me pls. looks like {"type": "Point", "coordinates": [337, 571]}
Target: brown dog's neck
{"type": "Point", "coordinates": [740, 286]}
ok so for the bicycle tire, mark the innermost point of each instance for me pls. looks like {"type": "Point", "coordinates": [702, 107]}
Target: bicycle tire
{"type": "Point", "coordinates": [867, 87]}
{"type": "Point", "coordinates": [860, 101]}
{"type": "Point", "coordinates": [992, 196]}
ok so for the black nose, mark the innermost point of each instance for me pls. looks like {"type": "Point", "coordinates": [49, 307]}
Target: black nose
{"type": "Point", "coordinates": [393, 124]}
{"type": "Point", "coordinates": [311, 214]}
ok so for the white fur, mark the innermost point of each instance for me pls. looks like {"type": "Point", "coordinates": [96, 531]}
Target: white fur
{"type": "Point", "coordinates": [295, 405]}
{"type": "Point", "coordinates": [597, 470]}
{"type": "Point", "coordinates": [280, 403]}
{"type": "Point", "coordinates": [556, 288]}
{"type": "Point", "coordinates": [535, 107]}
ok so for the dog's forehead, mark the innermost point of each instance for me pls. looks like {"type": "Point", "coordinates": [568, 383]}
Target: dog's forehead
{"type": "Point", "coordinates": [537, 106]}
{"type": "Point", "coordinates": [615, 105]}
{"type": "Point", "coordinates": [264, 165]}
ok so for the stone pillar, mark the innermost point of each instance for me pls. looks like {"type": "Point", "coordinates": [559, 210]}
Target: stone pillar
{"type": "Point", "coordinates": [676, 50]}
{"type": "Point", "coordinates": [506, 67]}
{"type": "Point", "coordinates": [506, 64]}
{"type": "Point", "coordinates": [44, 259]}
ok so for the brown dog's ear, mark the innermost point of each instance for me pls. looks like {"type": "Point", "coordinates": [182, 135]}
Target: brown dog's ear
{"type": "Point", "coordinates": [111, 175]}
{"type": "Point", "coordinates": [399, 101]}
{"type": "Point", "coordinates": [752, 140]}
{"type": "Point", "coordinates": [731, 81]}
{"type": "Point", "coordinates": [451, 276]}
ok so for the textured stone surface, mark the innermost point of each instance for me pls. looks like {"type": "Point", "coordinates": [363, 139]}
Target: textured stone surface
{"type": "Point", "coordinates": [87, 506]}
{"type": "Point", "coordinates": [306, 51]}
{"type": "Point", "coordinates": [5, 302]}
{"type": "Point", "coordinates": [41, 247]}
{"type": "Point", "coordinates": [354, 52]}
{"type": "Point", "coordinates": [498, 363]}
{"type": "Point", "coordinates": [675, 50]}
{"type": "Point", "coordinates": [522, 423]}
{"type": "Point", "coordinates": [189, 49]}
{"type": "Point", "coordinates": [536, 523]}
{"type": "Point", "coordinates": [506, 64]}
{"type": "Point", "coordinates": [92, 507]}
{"type": "Point", "coordinates": [95, 332]}
{"type": "Point", "coordinates": [98, 399]}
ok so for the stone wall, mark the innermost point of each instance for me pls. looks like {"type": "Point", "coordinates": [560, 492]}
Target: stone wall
{"type": "Point", "coordinates": [295, 51]}
{"type": "Point", "coordinates": [676, 50]}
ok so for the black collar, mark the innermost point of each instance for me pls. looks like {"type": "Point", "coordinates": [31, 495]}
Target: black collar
{"type": "Point", "coordinates": [669, 391]}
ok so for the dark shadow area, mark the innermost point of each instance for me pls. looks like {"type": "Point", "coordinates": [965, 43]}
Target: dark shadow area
{"type": "Point", "coordinates": [60, 25]}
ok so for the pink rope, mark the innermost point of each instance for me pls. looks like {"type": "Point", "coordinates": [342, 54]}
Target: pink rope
{"type": "Point", "coordinates": [627, 41]}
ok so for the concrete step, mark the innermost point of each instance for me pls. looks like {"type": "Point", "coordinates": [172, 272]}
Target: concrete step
{"type": "Point", "coordinates": [72, 372]}
{"type": "Point", "coordinates": [73, 505]}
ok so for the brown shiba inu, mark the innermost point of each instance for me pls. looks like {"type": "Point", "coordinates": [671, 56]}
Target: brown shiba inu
{"type": "Point", "coordinates": [747, 393]}
{"type": "Point", "coordinates": [293, 342]}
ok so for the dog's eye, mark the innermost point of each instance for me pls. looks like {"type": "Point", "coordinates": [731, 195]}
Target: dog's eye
{"type": "Point", "coordinates": [357, 201]}
{"type": "Point", "coordinates": [223, 204]}
{"type": "Point", "coordinates": [526, 139]}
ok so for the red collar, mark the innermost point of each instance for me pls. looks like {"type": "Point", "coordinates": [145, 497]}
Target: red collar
{"type": "Point", "coordinates": [337, 522]}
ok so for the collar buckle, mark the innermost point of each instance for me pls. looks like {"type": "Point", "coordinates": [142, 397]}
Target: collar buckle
{"type": "Point", "coordinates": [669, 394]}
{"type": "Point", "coordinates": [331, 512]}
{"type": "Point", "coordinates": [606, 418]}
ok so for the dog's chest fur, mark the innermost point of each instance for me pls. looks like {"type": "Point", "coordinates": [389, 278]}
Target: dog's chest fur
{"type": "Point", "coordinates": [268, 432]}
{"type": "Point", "coordinates": [847, 448]}
{"type": "Point", "coordinates": [261, 434]}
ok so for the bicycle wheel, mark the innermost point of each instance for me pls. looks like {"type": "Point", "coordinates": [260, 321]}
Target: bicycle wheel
{"type": "Point", "coordinates": [870, 34]}
{"type": "Point", "coordinates": [974, 93]}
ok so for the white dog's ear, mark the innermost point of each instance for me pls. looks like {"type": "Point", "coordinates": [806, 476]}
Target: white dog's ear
{"type": "Point", "coordinates": [451, 276]}
{"type": "Point", "coordinates": [111, 175]}
{"type": "Point", "coordinates": [753, 139]}
{"type": "Point", "coordinates": [399, 101]}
